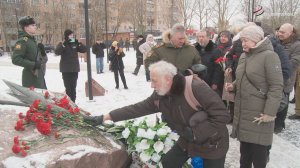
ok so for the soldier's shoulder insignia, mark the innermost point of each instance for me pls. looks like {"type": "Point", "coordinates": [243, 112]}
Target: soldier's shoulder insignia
{"type": "Point", "coordinates": [18, 46]}
{"type": "Point", "coordinates": [25, 38]}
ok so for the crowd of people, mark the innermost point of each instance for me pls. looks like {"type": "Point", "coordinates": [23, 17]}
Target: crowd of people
{"type": "Point", "coordinates": [244, 78]}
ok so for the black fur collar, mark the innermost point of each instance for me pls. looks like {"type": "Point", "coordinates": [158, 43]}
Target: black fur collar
{"type": "Point", "coordinates": [209, 47]}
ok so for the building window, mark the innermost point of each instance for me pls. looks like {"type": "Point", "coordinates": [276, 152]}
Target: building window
{"type": "Point", "coordinates": [46, 2]}
{"type": "Point", "coordinates": [34, 1]}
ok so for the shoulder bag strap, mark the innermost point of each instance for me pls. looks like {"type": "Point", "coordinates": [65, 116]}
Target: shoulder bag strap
{"type": "Point", "coordinates": [259, 90]}
{"type": "Point", "coordinates": [188, 93]}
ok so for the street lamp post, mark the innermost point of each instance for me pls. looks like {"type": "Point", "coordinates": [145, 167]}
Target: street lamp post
{"type": "Point", "coordinates": [106, 25]}
{"type": "Point", "coordinates": [17, 19]}
{"type": "Point", "coordinates": [253, 6]}
{"type": "Point", "coordinates": [87, 35]}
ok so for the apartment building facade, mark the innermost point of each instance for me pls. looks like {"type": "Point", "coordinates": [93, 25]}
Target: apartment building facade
{"type": "Point", "coordinates": [125, 18]}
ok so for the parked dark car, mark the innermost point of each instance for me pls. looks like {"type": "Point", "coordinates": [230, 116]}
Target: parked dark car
{"type": "Point", "coordinates": [49, 48]}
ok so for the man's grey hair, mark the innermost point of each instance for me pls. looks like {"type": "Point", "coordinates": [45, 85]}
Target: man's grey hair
{"type": "Point", "coordinates": [162, 68]}
{"type": "Point", "coordinates": [177, 28]}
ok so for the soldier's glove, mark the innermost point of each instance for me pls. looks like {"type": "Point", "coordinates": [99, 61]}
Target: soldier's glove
{"type": "Point", "coordinates": [37, 65]}
{"type": "Point", "coordinates": [187, 134]}
{"type": "Point", "coordinates": [93, 120]}
{"type": "Point", "coordinates": [264, 118]}
{"type": "Point", "coordinates": [42, 49]}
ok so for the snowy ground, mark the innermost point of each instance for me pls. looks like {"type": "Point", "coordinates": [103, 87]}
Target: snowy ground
{"type": "Point", "coordinates": [286, 146]}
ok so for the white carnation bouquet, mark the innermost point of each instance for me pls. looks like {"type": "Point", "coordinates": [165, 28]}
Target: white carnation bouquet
{"type": "Point", "coordinates": [147, 137]}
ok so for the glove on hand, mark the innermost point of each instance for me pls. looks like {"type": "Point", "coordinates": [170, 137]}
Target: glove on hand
{"type": "Point", "coordinates": [264, 118]}
{"type": "Point", "coordinates": [37, 65]}
{"type": "Point", "coordinates": [42, 49]}
{"type": "Point", "coordinates": [187, 134]}
{"type": "Point", "coordinates": [93, 120]}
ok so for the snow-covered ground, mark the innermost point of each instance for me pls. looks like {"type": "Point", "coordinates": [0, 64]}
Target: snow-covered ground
{"type": "Point", "coordinates": [285, 151]}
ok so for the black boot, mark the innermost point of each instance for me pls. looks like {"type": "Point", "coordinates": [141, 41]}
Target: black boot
{"type": "Point", "coordinates": [293, 100]}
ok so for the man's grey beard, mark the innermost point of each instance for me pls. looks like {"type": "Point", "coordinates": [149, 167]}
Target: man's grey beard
{"type": "Point", "coordinates": [203, 44]}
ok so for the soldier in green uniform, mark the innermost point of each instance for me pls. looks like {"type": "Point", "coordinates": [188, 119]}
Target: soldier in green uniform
{"type": "Point", "coordinates": [27, 54]}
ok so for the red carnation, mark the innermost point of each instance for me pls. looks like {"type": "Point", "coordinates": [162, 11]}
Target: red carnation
{"type": "Point", "coordinates": [220, 59]}
{"type": "Point", "coordinates": [16, 140]}
{"type": "Point", "coordinates": [16, 148]}
{"type": "Point", "coordinates": [76, 110]}
{"type": "Point", "coordinates": [23, 152]}
{"type": "Point", "coordinates": [21, 116]}
{"type": "Point", "coordinates": [37, 117]}
{"type": "Point", "coordinates": [49, 107]}
{"type": "Point", "coordinates": [46, 95]}
{"type": "Point", "coordinates": [19, 125]}
{"type": "Point", "coordinates": [35, 104]}
{"type": "Point", "coordinates": [71, 110]}
{"type": "Point", "coordinates": [44, 128]}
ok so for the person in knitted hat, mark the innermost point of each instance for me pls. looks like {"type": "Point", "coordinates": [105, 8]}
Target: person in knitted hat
{"type": "Point", "coordinates": [27, 54]}
{"type": "Point", "coordinates": [69, 62]}
{"type": "Point", "coordinates": [258, 90]}
{"type": "Point", "coordinates": [253, 33]}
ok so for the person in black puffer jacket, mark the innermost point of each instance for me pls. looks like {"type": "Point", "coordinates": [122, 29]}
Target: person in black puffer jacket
{"type": "Point", "coordinates": [69, 62]}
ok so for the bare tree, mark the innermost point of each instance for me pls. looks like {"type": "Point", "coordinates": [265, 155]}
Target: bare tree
{"type": "Point", "coordinates": [222, 11]}
{"type": "Point", "coordinates": [187, 9]}
{"type": "Point", "coordinates": [248, 7]}
{"type": "Point", "coordinates": [281, 11]}
{"type": "Point", "coordinates": [9, 23]}
{"type": "Point", "coordinates": [203, 13]}
{"type": "Point", "coordinates": [97, 19]}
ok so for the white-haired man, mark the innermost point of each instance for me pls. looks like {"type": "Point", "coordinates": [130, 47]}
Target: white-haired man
{"type": "Point", "coordinates": [207, 137]}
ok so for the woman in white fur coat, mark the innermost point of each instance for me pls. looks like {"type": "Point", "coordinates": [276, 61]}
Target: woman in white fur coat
{"type": "Point", "coordinates": [145, 48]}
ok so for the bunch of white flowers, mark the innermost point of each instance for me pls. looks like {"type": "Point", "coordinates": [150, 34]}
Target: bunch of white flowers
{"type": "Point", "coordinates": [148, 137]}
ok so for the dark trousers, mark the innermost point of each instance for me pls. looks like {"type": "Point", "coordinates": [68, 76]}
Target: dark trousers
{"type": "Point", "coordinates": [176, 157]}
{"type": "Point", "coordinates": [147, 75]}
{"type": "Point", "coordinates": [253, 154]}
{"type": "Point", "coordinates": [137, 69]}
{"type": "Point", "coordinates": [116, 73]}
{"type": "Point", "coordinates": [231, 110]}
{"type": "Point", "coordinates": [281, 116]}
{"type": "Point", "coordinates": [70, 82]}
